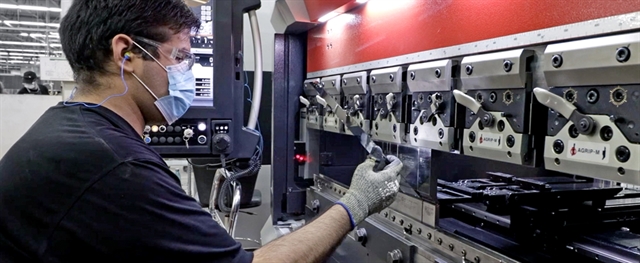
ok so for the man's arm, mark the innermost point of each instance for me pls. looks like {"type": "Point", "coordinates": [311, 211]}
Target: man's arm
{"type": "Point", "coordinates": [23, 91]}
{"type": "Point", "coordinates": [312, 243]}
{"type": "Point", "coordinates": [370, 192]}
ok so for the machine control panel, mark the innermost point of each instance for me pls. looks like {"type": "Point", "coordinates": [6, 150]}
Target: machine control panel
{"type": "Point", "coordinates": [202, 45]}
{"type": "Point", "coordinates": [203, 71]}
{"type": "Point", "coordinates": [197, 136]}
{"type": "Point", "coordinates": [183, 134]}
{"type": "Point", "coordinates": [186, 135]}
{"type": "Point", "coordinates": [221, 140]}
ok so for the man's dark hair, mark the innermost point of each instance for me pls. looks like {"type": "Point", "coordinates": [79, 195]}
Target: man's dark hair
{"type": "Point", "coordinates": [89, 26]}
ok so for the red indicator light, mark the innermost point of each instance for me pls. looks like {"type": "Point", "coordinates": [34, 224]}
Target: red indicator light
{"type": "Point", "coordinates": [300, 158]}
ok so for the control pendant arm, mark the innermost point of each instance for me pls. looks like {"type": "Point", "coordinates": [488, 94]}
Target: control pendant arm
{"type": "Point", "coordinates": [583, 123]}
{"type": "Point", "coordinates": [485, 117]}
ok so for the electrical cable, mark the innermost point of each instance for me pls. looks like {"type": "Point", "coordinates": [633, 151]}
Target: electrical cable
{"type": "Point", "coordinates": [254, 166]}
{"type": "Point", "coordinates": [226, 190]}
{"type": "Point", "coordinates": [126, 89]}
{"type": "Point", "coordinates": [255, 98]}
{"type": "Point", "coordinates": [246, 85]}
{"type": "Point", "coordinates": [257, 79]}
{"type": "Point", "coordinates": [208, 164]}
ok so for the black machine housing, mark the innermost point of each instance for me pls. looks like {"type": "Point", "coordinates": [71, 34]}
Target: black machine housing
{"type": "Point", "coordinates": [217, 116]}
{"type": "Point", "coordinates": [223, 114]}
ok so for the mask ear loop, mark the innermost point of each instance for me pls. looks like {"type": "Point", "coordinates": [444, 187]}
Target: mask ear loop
{"type": "Point", "coordinates": [154, 59]}
{"type": "Point", "coordinates": [145, 86]}
{"type": "Point", "coordinates": [127, 56]}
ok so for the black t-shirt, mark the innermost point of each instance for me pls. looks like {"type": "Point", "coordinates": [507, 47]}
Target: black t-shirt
{"type": "Point", "coordinates": [81, 186]}
{"type": "Point", "coordinates": [42, 90]}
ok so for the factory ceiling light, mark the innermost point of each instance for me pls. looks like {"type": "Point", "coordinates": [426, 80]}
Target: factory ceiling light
{"type": "Point", "coordinates": [39, 35]}
{"type": "Point", "coordinates": [23, 43]}
{"type": "Point", "coordinates": [347, 7]}
{"type": "Point", "coordinates": [29, 23]}
{"type": "Point", "coordinates": [12, 57]}
{"type": "Point", "coordinates": [328, 16]}
{"type": "Point", "coordinates": [32, 29]}
{"type": "Point", "coordinates": [21, 54]}
{"type": "Point", "coordinates": [30, 8]}
{"type": "Point", "coordinates": [27, 50]}
{"type": "Point", "coordinates": [15, 43]}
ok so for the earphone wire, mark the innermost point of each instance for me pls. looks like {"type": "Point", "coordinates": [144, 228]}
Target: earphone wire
{"type": "Point", "coordinates": [126, 89]}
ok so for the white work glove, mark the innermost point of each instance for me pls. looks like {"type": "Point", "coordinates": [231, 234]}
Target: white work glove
{"type": "Point", "coordinates": [370, 191]}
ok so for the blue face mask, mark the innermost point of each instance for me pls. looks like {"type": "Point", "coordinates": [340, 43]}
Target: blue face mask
{"type": "Point", "coordinates": [182, 91]}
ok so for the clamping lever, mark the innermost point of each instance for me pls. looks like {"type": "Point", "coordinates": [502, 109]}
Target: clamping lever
{"type": "Point", "coordinates": [305, 101]}
{"type": "Point", "coordinates": [583, 123]}
{"type": "Point", "coordinates": [321, 101]}
{"type": "Point", "coordinates": [486, 118]}
{"type": "Point", "coordinates": [326, 105]}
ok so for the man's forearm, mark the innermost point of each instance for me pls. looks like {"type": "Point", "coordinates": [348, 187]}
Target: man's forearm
{"type": "Point", "coordinates": [312, 243]}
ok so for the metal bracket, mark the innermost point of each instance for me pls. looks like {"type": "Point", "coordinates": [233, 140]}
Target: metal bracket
{"type": "Point", "coordinates": [295, 201]}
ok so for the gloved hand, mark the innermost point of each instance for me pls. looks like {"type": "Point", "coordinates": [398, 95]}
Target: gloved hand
{"type": "Point", "coordinates": [370, 191]}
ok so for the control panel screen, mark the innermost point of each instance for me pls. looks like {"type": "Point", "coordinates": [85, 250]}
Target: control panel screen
{"type": "Point", "coordinates": [202, 48]}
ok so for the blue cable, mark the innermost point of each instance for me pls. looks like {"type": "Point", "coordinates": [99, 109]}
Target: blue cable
{"type": "Point", "coordinates": [126, 89]}
{"type": "Point", "coordinates": [246, 85]}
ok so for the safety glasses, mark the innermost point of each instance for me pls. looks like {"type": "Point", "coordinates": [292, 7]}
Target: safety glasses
{"type": "Point", "coordinates": [177, 54]}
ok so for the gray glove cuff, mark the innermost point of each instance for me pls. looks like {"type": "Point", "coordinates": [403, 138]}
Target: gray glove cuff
{"type": "Point", "coordinates": [356, 209]}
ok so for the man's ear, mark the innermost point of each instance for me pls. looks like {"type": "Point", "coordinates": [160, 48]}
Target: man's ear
{"type": "Point", "coordinates": [121, 46]}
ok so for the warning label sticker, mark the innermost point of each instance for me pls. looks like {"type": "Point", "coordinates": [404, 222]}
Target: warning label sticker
{"type": "Point", "coordinates": [490, 140]}
{"type": "Point", "coordinates": [589, 151]}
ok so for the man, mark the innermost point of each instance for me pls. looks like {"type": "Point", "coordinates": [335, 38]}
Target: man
{"type": "Point", "coordinates": [31, 86]}
{"type": "Point", "coordinates": [81, 185]}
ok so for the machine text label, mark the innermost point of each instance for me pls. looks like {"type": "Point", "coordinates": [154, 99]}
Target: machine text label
{"type": "Point", "coordinates": [589, 151]}
{"type": "Point", "coordinates": [490, 140]}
